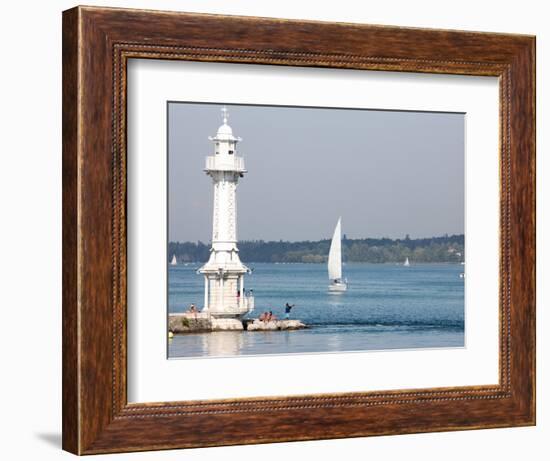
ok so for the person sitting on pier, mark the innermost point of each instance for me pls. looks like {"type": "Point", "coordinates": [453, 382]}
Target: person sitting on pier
{"type": "Point", "coordinates": [264, 317]}
{"type": "Point", "coordinates": [271, 317]}
{"type": "Point", "coordinates": [193, 309]}
{"type": "Point", "coordinates": [288, 308]}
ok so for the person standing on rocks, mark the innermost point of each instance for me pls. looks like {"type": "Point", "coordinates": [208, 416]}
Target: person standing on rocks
{"type": "Point", "coordinates": [288, 308]}
{"type": "Point", "coordinates": [193, 310]}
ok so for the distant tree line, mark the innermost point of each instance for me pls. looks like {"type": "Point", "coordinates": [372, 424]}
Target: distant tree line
{"type": "Point", "coordinates": [448, 248]}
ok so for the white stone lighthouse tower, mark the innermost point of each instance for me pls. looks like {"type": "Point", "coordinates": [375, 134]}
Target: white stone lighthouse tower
{"type": "Point", "coordinates": [224, 296]}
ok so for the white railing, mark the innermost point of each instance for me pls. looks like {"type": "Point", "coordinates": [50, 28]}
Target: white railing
{"type": "Point", "coordinates": [232, 163]}
{"type": "Point", "coordinates": [249, 303]}
{"type": "Point", "coordinates": [235, 304]}
{"type": "Point", "coordinates": [244, 304]}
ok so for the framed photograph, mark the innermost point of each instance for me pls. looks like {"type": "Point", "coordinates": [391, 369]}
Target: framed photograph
{"type": "Point", "coordinates": [281, 230]}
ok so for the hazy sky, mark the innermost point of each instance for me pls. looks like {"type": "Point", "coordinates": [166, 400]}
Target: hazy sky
{"type": "Point", "coordinates": [387, 173]}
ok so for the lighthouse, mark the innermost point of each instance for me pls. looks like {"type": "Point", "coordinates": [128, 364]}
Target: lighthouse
{"type": "Point", "coordinates": [224, 294]}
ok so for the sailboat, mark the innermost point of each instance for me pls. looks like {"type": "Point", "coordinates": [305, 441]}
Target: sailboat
{"type": "Point", "coordinates": [406, 263]}
{"type": "Point", "coordinates": [174, 261]}
{"type": "Point", "coordinates": [335, 261]}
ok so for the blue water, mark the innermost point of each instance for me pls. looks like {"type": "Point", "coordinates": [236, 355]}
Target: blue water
{"type": "Point", "coordinates": [385, 307]}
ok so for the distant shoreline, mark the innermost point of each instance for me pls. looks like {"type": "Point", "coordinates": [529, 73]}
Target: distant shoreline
{"type": "Point", "coordinates": [443, 249]}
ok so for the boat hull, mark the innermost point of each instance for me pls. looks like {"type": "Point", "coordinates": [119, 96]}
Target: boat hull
{"type": "Point", "coordinates": [337, 287]}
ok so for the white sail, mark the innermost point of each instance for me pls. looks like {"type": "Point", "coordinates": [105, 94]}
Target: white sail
{"type": "Point", "coordinates": [335, 254]}
{"type": "Point", "coordinates": [407, 263]}
{"type": "Point", "coordinates": [174, 261]}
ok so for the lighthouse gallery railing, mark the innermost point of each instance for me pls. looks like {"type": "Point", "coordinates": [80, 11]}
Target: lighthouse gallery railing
{"type": "Point", "coordinates": [233, 163]}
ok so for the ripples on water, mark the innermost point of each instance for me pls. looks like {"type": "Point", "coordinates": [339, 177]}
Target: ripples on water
{"type": "Point", "coordinates": [386, 307]}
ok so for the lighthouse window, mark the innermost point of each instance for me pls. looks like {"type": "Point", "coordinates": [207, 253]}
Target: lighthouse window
{"type": "Point", "coordinates": [229, 152]}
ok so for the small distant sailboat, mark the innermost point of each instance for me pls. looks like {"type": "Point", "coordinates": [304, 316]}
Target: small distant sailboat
{"type": "Point", "coordinates": [174, 261]}
{"type": "Point", "coordinates": [335, 261]}
{"type": "Point", "coordinates": [406, 263]}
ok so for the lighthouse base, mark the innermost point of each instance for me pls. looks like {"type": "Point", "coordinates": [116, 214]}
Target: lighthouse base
{"type": "Point", "coordinates": [224, 294]}
{"type": "Point", "coordinates": [226, 324]}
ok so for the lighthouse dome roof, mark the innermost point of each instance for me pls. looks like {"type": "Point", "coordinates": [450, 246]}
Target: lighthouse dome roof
{"type": "Point", "coordinates": [225, 130]}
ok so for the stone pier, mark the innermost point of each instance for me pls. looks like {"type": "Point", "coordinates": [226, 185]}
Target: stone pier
{"type": "Point", "coordinates": [202, 322]}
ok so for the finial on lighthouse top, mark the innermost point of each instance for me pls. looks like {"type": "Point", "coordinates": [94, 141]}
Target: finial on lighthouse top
{"type": "Point", "coordinates": [224, 130]}
{"type": "Point", "coordinates": [225, 115]}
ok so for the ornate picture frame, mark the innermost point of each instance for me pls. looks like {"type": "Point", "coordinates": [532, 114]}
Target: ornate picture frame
{"type": "Point", "coordinates": [97, 44]}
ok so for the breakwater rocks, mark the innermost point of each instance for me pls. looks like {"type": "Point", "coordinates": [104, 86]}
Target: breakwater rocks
{"type": "Point", "coordinates": [274, 325]}
{"type": "Point", "coordinates": [189, 323]}
{"type": "Point", "coordinates": [202, 322]}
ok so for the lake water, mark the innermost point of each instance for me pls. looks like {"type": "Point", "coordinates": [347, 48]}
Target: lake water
{"type": "Point", "coordinates": [385, 307]}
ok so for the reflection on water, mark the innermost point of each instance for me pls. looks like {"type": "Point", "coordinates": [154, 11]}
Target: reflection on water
{"type": "Point", "coordinates": [218, 343]}
{"type": "Point", "coordinates": [336, 299]}
{"type": "Point", "coordinates": [385, 307]}
{"type": "Point", "coordinates": [318, 339]}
